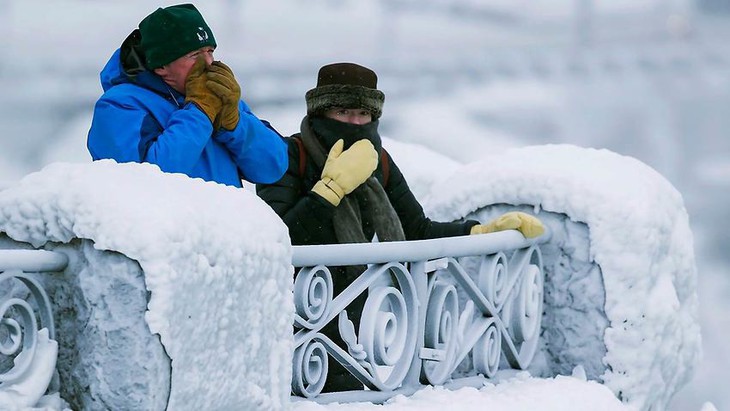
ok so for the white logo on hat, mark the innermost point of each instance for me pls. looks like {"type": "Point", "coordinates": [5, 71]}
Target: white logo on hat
{"type": "Point", "coordinates": [202, 34]}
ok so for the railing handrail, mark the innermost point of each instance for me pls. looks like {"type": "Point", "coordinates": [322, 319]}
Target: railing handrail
{"type": "Point", "coordinates": [413, 321]}
{"type": "Point", "coordinates": [28, 317]}
{"type": "Point", "coordinates": [410, 251]}
{"type": "Point", "coordinates": [32, 260]}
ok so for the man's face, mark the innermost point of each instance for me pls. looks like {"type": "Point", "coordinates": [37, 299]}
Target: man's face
{"type": "Point", "coordinates": [357, 116]}
{"type": "Point", "coordinates": [176, 73]}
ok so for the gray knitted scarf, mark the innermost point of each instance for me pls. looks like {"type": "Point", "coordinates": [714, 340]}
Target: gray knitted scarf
{"type": "Point", "coordinates": [318, 136]}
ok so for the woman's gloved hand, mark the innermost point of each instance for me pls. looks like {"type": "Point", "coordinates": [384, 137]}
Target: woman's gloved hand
{"type": "Point", "coordinates": [530, 226]}
{"type": "Point", "coordinates": [344, 171]}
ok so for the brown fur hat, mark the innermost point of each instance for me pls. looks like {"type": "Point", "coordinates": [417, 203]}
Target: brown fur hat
{"type": "Point", "coordinates": [345, 85]}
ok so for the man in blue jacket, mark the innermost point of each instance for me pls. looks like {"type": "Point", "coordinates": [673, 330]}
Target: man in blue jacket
{"type": "Point", "coordinates": [167, 102]}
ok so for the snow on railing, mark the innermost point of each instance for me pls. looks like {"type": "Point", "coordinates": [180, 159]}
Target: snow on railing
{"type": "Point", "coordinates": [415, 327]}
{"type": "Point", "coordinates": [28, 350]}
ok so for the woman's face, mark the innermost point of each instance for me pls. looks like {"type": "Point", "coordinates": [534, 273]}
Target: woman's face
{"type": "Point", "coordinates": [349, 115]}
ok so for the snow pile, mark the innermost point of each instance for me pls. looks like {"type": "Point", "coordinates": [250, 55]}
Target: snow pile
{"type": "Point", "coordinates": [422, 166]}
{"type": "Point", "coordinates": [216, 261]}
{"type": "Point", "coordinates": [521, 393]}
{"type": "Point", "coordinates": [639, 235]}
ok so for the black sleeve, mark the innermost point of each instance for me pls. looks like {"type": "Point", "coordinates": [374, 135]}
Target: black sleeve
{"type": "Point", "coordinates": [308, 216]}
{"type": "Point", "coordinates": [415, 223]}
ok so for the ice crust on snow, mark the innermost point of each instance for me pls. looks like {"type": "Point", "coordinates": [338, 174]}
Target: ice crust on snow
{"type": "Point", "coordinates": [216, 263]}
{"type": "Point", "coordinates": [620, 287]}
{"type": "Point", "coordinates": [639, 236]}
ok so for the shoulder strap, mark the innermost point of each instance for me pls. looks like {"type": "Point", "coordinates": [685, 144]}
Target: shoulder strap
{"type": "Point", "coordinates": [385, 164]}
{"type": "Point", "coordinates": [302, 156]}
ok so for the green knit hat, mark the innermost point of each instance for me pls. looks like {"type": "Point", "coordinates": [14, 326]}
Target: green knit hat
{"type": "Point", "coordinates": [345, 85]}
{"type": "Point", "coordinates": [172, 32]}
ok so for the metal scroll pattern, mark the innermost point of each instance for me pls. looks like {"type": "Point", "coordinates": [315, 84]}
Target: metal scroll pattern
{"type": "Point", "coordinates": [501, 318]}
{"type": "Point", "coordinates": [379, 354]}
{"type": "Point", "coordinates": [26, 334]}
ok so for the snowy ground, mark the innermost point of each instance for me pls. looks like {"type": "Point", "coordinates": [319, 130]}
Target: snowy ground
{"type": "Point", "coordinates": [518, 394]}
{"type": "Point", "coordinates": [673, 119]}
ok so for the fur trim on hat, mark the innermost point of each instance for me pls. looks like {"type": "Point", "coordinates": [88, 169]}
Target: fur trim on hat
{"type": "Point", "coordinates": [320, 99]}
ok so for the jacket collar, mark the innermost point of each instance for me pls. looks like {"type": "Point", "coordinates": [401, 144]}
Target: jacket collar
{"type": "Point", "coordinates": [126, 66]}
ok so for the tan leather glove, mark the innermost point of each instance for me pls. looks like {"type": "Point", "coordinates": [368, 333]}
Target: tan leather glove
{"type": "Point", "coordinates": [222, 82]}
{"type": "Point", "coordinates": [196, 91]}
{"type": "Point", "coordinates": [527, 224]}
{"type": "Point", "coordinates": [345, 170]}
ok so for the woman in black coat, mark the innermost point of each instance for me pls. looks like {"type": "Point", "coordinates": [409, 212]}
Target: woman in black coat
{"type": "Point", "coordinates": [346, 105]}
{"type": "Point", "coordinates": [342, 186]}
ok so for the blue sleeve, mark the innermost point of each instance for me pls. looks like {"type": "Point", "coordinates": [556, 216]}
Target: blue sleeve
{"type": "Point", "coordinates": [124, 130]}
{"type": "Point", "coordinates": [179, 147]}
{"type": "Point", "coordinates": [258, 150]}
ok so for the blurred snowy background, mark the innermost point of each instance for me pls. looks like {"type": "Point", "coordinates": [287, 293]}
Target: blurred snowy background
{"type": "Point", "coordinates": [645, 78]}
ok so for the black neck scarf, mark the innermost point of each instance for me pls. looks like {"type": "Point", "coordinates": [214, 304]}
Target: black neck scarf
{"type": "Point", "coordinates": [318, 136]}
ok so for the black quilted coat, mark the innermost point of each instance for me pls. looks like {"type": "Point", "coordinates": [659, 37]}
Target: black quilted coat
{"type": "Point", "coordinates": [309, 216]}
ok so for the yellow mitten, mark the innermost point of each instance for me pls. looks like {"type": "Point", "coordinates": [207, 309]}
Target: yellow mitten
{"type": "Point", "coordinates": [527, 224]}
{"type": "Point", "coordinates": [344, 171]}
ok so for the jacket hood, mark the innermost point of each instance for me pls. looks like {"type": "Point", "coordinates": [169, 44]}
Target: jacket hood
{"type": "Point", "coordinates": [126, 66]}
{"type": "Point", "coordinates": [112, 73]}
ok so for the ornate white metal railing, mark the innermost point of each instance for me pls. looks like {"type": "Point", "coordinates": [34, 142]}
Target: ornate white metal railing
{"type": "Point", "coordinates": [430, 304]}
{"type": "Point", "coordinates": [28, 350]}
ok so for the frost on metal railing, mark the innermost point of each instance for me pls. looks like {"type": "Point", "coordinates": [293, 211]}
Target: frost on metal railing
{"type": "Point", "coordinates": [432, 306]}
{"type": "Point", "coordinates": [28, 350]}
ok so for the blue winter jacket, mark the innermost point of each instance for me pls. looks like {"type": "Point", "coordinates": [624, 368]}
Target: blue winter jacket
{"type": "Point", "coordinates": [142, 119]}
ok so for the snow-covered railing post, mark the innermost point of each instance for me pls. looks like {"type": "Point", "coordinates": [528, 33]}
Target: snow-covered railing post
{"type": "Point", "coordinates": [414, 328]}
{"type": "Point", "coordinates": [28, 350]}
